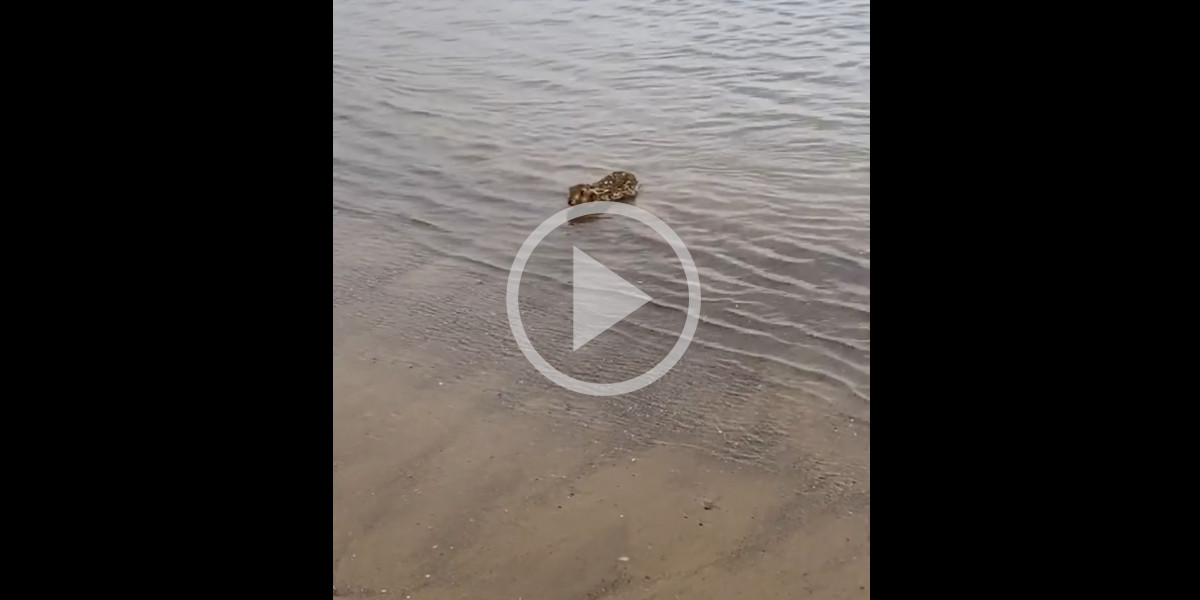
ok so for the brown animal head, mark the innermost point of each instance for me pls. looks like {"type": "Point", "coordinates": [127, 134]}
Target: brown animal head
{"type": "Point", "coordinates": [580, 194]}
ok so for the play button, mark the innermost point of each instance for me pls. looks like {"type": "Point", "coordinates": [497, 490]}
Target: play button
{"type": "Point", "coordinates": [601, 299]}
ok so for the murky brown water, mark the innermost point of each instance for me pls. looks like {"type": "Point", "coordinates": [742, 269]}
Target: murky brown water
{"type": "Point", "coordinates": [457, 129]}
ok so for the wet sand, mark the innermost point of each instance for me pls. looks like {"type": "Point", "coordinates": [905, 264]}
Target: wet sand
{"type": "Point", "coordinates": [444, 488]}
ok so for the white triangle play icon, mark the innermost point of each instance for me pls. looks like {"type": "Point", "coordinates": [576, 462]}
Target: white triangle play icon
{"type": "Point", "coordinates": [601, 299]}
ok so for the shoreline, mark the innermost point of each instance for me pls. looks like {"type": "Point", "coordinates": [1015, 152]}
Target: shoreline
{"type": "Point", "coordinates": [442, 488]}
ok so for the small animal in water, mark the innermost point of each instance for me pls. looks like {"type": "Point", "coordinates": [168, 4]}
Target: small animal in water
{"type": "Point", "coordinates": [615, 186]}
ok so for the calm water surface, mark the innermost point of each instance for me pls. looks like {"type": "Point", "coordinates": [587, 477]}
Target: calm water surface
{"type": "Point", "coordinates": [458, 126]}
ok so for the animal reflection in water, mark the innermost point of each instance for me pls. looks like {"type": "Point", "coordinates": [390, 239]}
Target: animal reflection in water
{"type": "Point", "coordinates": [618, 186]}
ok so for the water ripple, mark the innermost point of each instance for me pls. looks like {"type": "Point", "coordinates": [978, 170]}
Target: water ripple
{"type": "Point", "coordinates": [459, 126]}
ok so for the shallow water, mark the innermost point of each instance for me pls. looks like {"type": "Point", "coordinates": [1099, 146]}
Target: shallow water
{"type": "Point", "coordinates": [458, 127]}
{"type": "Point", "coordinates": [459, 471]}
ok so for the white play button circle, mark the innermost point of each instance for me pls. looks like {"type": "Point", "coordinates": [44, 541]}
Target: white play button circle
{"type": "Point", "coordinates": [601, 299]}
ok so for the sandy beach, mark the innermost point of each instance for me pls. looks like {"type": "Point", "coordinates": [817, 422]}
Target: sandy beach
{"type": "Point", "coordinates": [444, 488]}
